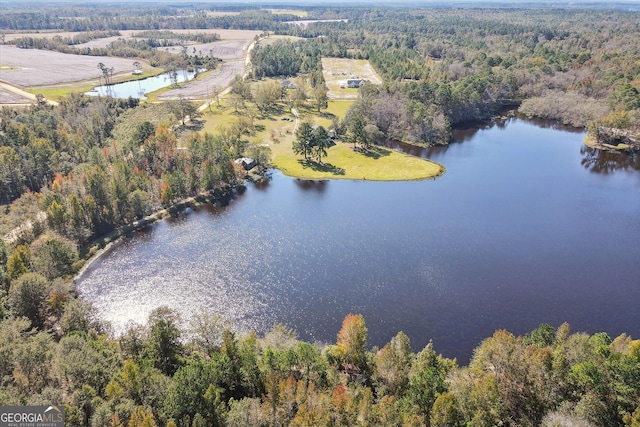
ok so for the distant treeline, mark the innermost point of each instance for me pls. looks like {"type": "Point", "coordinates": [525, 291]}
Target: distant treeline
{"type": "Point", "coordinates": [136, 18]}
{"type": "Point", "coordinates": [575, 66]}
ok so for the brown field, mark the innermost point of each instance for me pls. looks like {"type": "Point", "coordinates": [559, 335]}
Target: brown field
{"type": "Point", "coordinates": [300, 13]}
{"type": "Point", "coordinates": [223, 49]}
{"type": "Point", "coordinates": [40, 68]}
{"type": "Point", "coordinates": [235, 63]}
{"type": "Point", "coordinates": [202, 88]}
{"type": "Point", "coordinates": [223, 13]}
{"type": "Point", "coordinates": [336, 71]}
{"type": "Point", "coordinates": [9, 97]}
{"type": "Point", "coordinates": [99, 43]}
{"type": "Point", "coordinates": [44, 34]}
{"type": "Point", "coordinates": [33, 67]}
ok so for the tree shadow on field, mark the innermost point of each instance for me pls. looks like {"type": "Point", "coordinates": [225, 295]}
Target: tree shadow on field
{"type": "Point", "coordinates": [194, 125]}
{"type": "Point", "coordinates": [326, 115]}
{"type": "Point", "coordinates": [322, 167]}
{"type": "Point", "coordinates": [375, 152]}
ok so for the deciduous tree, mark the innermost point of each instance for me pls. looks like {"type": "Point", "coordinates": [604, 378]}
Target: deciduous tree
{"type": "Point", "coordinates": [352, 340]}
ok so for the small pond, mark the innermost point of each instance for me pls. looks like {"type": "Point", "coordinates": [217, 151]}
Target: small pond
{"type": "Point", "coordinates": [138, 88]}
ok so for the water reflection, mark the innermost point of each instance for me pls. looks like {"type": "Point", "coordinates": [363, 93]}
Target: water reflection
{"type": "Point", "coordinates": [262, 184]}
{"type": "Point", "coordinates": [607, 162]}
{"type": "Point", "coordinates": [138, 88]}
{"type": "Point", "coordinates": [493, 244]}
{"type": "Point", "coordinates": [311, 185]}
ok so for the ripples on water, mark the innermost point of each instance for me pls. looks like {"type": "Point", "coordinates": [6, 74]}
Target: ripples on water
{"type": "Point", "coordinates": [522, 229]}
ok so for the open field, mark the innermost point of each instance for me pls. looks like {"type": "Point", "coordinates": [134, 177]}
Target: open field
{"type": "Point", "coordinates": [342, 162]}
{"type": "Point", "coordinates": [336, 71]}
{"type": "Point", "coordinates": [33, 67]}
{"type": "Point", "coordinates": [41, 34]}
{"type": "Point", "coordinates": [376, 164]}
{"type": "Point", "coordinates": [300, 13]}
{"type": "Point", "coordinates": [9, 97]}
{"type": "Point", "coordinates": [203, 86]}
{"type": "Point", "coordinates": [223, 49]}
{"type": "Point", "coordinates": [275, 38]}
{"type": "Point", "coordinates": [56, 73]}
{"type": "Point", "coordinates": [223, 13]}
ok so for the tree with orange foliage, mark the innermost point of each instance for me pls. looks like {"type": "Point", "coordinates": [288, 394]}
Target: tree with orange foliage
{"type": "Point", "coordinates": [352, 340]}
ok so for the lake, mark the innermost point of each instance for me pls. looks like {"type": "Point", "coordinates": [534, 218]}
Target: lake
{"type": "Point", "coordinates": [527, 226]}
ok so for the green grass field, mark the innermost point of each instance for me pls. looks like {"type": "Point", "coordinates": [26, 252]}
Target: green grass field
{"type": "Point", "coordinates": [342, 161]}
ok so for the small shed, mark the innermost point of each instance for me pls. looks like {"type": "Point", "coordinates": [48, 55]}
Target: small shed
{"type": "Point", "coordinates": [247, 163]}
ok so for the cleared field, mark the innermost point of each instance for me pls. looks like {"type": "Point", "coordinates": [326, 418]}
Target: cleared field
{"type": "Point", "coordinates": [342, 162]}
{"type": "Point", "coordinates": [223, 13]}
{"type": "Point", "coordinates": [337, 71]}
{"type": "Point", "coordinates": [98, 43]}
{"type": "Point", "coordinates": [275, 38]}
{"type": "Point", "coordinates": [40, 68]}
{"type": "Point", "coordinates": [224, 49]}
{"type": "Point", "coordinates": [231, 44]}
{"type": "Point", "coordinates": [201, 88]}
{"type": "Point", "coordinates": [300, 13]}
{"type": "Point", "coordinates": [33, 67]}
{"type": "Point", "coordinates": [44, 34]}
{"type": "Point", "coordinates": [224, 33]}
{"type": "Point", "coordinates": [8, 97]}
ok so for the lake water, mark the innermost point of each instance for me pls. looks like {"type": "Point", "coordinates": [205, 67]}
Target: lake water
{"type": "Point", "coordinates": [527, 226]}
{"type": "Point", "coordinates": [138, 88]}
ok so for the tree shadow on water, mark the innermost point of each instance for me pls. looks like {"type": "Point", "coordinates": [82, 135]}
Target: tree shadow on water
{"type": "Point", "coordinates": [322, 167]}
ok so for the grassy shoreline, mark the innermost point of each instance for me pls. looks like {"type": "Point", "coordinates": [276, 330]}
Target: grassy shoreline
{"type": "Point", "coordinates": [277, 131]}
{"type": "Point", "coordinates": [376, 164]}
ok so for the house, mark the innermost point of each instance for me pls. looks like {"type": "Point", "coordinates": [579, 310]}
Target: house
{"type": "Point", "coordinates": [247, 163]}
{"type": "Point", "coordinates": [356, 83]}
{"type": "Point", "coordinates": [287, 84]}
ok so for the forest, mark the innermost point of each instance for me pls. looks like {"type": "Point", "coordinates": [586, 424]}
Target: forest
{"type": "Point", "coordinates": [444, 67]}
{"type": "Point", "coordinates": [72, 174]}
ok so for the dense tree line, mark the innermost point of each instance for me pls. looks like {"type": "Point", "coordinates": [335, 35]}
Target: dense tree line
{"type": "Point", "coordinates": [140, 18]}
{"type": "Point", "coordinates": [197, 372]}
{"type": "Point", "coordinates": [285, 58]}
{"type": "Point", "coordinates": [90, 182]}
{"type": "Point", "coordinates": [573, 66]}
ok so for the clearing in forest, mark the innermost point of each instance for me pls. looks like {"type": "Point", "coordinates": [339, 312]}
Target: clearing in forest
{"type": "Point", "coordinates": [277, 131]}
{"type": "Point", "coordinates": [338, 71]}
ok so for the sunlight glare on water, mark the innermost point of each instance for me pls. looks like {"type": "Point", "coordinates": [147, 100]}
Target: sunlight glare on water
{"type": "Point", "coordinates": [510, 237]}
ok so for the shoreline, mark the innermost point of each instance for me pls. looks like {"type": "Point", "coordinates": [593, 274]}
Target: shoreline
{"type": "Point", "coordinates": [101, 245]}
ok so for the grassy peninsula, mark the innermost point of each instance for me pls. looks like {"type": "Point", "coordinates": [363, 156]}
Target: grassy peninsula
{"type": "Point", "coordinates": [277, 132]}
